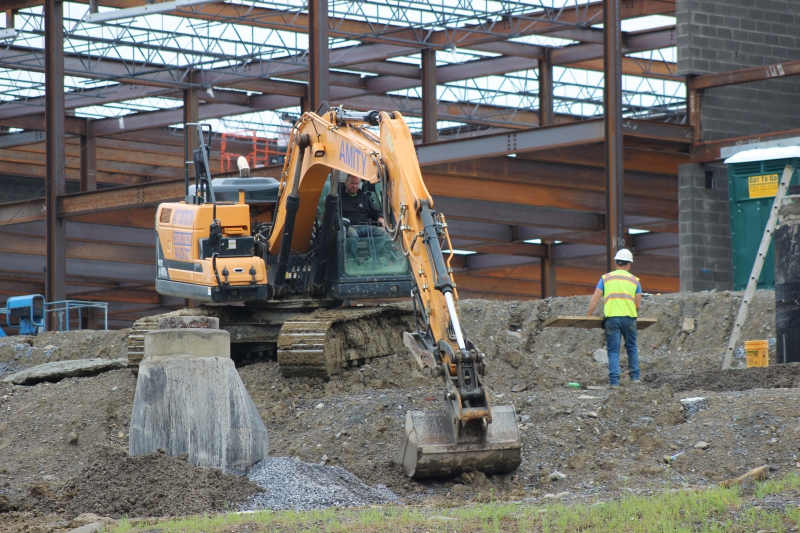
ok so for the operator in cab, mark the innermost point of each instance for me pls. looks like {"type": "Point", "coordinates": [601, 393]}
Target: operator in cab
{"type": "Point", "coordinates": [360, 210]}
{"type": "Point", "coordinates": [622, 299]}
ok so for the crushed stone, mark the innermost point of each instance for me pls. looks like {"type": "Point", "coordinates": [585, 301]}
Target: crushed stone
{"type": "Point", "coordinates": [292, 484]}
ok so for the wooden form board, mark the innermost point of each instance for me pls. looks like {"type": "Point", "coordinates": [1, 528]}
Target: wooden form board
{"type": "Point", "coordinates": [589, 322]}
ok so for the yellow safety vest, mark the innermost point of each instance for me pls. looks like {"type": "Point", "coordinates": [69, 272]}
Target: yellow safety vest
{"type": "Point", "coordinates": [619, 293]}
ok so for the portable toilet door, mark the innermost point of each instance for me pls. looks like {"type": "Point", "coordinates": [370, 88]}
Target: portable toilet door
{"type": "Point", "coordinates": [753, 178]}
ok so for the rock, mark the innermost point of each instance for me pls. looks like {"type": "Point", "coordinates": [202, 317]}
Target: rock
{"type": "Point", "coordinates": [692, 406]}
{"type": "Point", "coordinates": [667, 459]}
{"type": "Point", "coordinates": [556, 476]}
{"type": "Point", "coordinates": [459, 491]}
{"type": "Point", "coordinates": [587, 397]}
{"type": "Point", "coordinates": [524, 418]}
{"type": "Point", "coordinates": [601, 356]}
{"type": "Point", "coordinates": [688, 325]}
{"type": "Point", "coordinates": [519, 388]}
{"type": "Point", "coordinates": [319, 406]}
{"type": "Point", "coordinates": [49, 347]}
{"type": "Point", "coordinates": [94, 527]}
{"type": "Point", "coordinates": [562, 494]}
{"type": "Point", "coordinates": [549, 496]}
{"type": "Point", "coordinates": [702, 445]}
{"type": "Point", "coordinates": [72, 438]}
{"type": "Point", "coordinates": [591, 414]}
{"type": "Point", "coordinates": [756, 473]}
{"type": "Point", "coordinates": [59, 370]}
{"type": "Point", "coordinates": [188, 322]}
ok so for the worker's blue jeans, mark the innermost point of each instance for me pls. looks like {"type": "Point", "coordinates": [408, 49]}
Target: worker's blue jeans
{"type": "Point", "coordinates": [624, 326]}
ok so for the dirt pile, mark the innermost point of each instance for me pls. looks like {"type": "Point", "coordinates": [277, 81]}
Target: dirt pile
{"type": "Point", "coordinates": [20, 352]}
{"type": "Point", "coordinates": [155, 484]}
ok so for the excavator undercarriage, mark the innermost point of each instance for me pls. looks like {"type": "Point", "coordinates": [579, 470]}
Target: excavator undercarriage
{"type": "Point", "coordinates": [306, 341]}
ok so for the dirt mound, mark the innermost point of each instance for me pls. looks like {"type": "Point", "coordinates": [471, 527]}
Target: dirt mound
{"type": "Point", "coordinates": [22, 351]}
{"type": "Point", "coordinates": [773, 377]}
{"type": "Point", "coordinates": [148, 485]}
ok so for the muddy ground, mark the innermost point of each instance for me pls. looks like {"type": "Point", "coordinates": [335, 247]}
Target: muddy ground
{"type": "Point", "coordinates": [61, 443]}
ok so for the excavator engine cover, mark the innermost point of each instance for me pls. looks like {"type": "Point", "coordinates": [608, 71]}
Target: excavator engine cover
{"type": "Point", "coordinates": [430, 449]}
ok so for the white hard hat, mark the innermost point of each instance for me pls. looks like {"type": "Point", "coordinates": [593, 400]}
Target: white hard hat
{"type": "Point", "coordinates": [624, 255]}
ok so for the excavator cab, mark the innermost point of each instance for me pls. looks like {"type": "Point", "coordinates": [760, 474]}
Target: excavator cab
{"type": "Point", "coordinates": [366, 262]}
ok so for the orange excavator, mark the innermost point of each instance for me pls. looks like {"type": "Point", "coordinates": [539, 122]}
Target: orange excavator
{"type": "Point", "coordinates": [278, 255]}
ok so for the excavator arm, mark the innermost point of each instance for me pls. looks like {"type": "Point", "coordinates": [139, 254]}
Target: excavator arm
{"type": "Point", "coordinates": [469, 433]}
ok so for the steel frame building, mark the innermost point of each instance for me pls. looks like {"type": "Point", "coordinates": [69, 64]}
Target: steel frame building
{"type": "Point", "coordinates": [550, 131]}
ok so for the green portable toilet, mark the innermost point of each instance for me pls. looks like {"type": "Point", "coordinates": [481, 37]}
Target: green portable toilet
{"type": "Point", "coordinates": [753, 178]}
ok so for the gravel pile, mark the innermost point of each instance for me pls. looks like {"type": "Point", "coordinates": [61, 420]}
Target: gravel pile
{"type": "Point", "coordinates": [293, 484]}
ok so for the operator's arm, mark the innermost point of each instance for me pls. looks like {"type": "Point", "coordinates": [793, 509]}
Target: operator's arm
{"type": "Point", "coordinates": [374, 213]}
{"type": "Point", "coordinates": [598, 293]}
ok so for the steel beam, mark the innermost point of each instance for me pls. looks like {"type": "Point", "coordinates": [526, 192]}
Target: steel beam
{"type": "Point", "coordinates": [636, 160]}
{"type": "Point", "coordinates": [56, 259]}
{"type": "Point", "coordinates": [511, 143]}
{"type": "Point", "coordinates": [545, 90]}
{"type": "Point", "coordinates": [73, 205]}
{"type": "Point", "coordinates": [80, 249]}
{"type": "Point", "coordinates": [747, 75]}
{"type": "Point", "coordinates": [561, 175]}
{"type": "Point", "coordinates": [191, 115]}
{"type": "Point", "coordinates": [12, 140]}
{"type": "Point", "coordinates": [612, 104]}
{"type": "Point", "coordinates": [547, 138]}
{"type": "Point", "coordinates": [504, 213]}
{"type": "Point", "coordinates": [88, 232]}
{"type": "Point", "coordinates": [430, 130]}
{"type": "Point", "coordinates": [318, 54]}
{"type": "Point", "coordinates": [710, 151]}
{"type": "Point", "coordinates": [548, 273]}
{"type": "Point", "coordinates": [88, 163]}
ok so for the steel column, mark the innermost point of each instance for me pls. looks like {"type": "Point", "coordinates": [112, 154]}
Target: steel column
{"type": "Point", "coordinates": [612, 102]}
{"type": "Point", "coordinates": [545, 89]}
{"type": "Point", "coordinates": [430, 130]}
{"type": "Point", "coordinates": [318, 53]}
{"type": "Point", "coordinates": [693, 105]}
{"type": "Point", "coordinates": [548, 270]}
{"type": "Point", "coordinates": [191, 114]}
{"type": "Point", "coordinates": [56, 262]}
{"type": "Point", "coordinates": [88, 161]}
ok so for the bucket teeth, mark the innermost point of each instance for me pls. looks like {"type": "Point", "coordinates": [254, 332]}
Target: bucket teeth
{"type": "Point", "coordinates": [430, 450]}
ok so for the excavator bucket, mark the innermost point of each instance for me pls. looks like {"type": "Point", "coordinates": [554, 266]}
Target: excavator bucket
{"type": "Point", "coordinates": [432, 446]}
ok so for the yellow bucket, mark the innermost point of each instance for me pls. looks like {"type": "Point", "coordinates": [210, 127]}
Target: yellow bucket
{"type": "Point", "coordinates": [757, 353]}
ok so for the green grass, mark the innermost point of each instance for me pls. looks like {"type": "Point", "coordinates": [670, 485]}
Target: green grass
{"type": "Point", "coordinates": [714, 510]}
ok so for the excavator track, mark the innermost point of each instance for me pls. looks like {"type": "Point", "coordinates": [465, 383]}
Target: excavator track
{"type": "Point", "coordinates": [308, 342]}
{"type": "Point", "coordinates": [326, 341]}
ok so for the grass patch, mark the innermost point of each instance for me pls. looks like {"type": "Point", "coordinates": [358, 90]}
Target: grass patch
{"type": "Point", "coordinates": [713, 510]}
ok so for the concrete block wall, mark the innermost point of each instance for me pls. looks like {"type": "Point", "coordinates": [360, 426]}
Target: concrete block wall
{"type": "Point", "coordinates": [718, 36]}
{"type": "Point", "coordinates": [704, 225]}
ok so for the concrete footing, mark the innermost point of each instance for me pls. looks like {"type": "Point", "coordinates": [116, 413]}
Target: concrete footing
{"type": "Point", "coordinates": [190, 399]}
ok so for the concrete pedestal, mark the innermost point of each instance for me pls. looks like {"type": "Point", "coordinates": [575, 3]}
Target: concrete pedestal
{"type": "Point", "coordinates": [190, 399]}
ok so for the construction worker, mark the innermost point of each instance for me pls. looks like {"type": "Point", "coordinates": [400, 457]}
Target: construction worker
{"type": "Point", "coordinates": [622, 299]}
